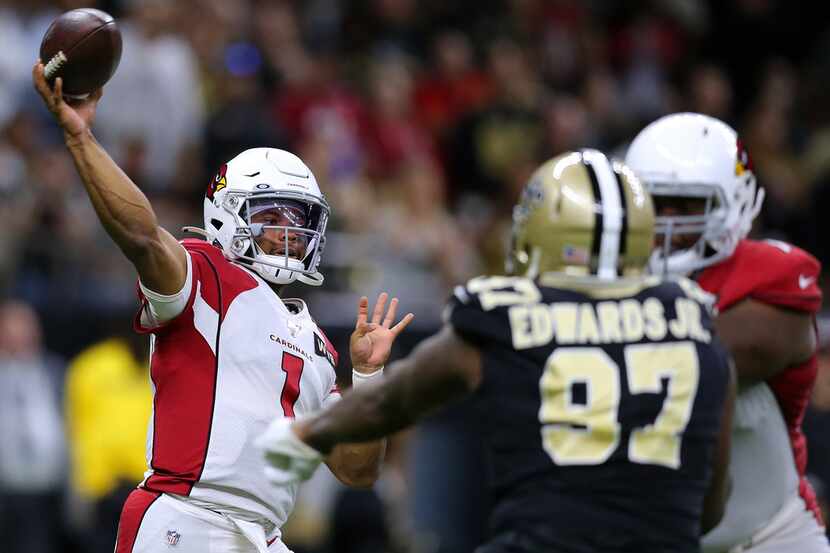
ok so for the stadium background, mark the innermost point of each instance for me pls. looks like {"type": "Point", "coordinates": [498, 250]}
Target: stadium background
{"type": "Point", "coordinates": [421, 121]}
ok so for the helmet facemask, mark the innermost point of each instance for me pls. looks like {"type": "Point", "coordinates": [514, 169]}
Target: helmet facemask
{"type": "Point", "coordinates": [279, 234]}
{"type": "Point", "coordinates": [719, 224]}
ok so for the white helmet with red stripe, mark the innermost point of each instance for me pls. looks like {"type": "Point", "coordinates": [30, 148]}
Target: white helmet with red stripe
{"type": "Point", "coordinates": [694, 156]}
{"type": "Point", "coordinates": [264, 210]}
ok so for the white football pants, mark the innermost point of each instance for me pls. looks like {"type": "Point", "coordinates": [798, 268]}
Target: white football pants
{"type": "Point", "coordinates": [793, 530]}
{"type": "Point", "coordinates": [160, 523]}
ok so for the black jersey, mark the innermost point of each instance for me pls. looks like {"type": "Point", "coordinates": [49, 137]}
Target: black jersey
{"type": "Point", "coordinates": [602, 408]}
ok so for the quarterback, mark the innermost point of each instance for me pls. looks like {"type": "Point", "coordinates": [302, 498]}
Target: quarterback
{"type": "Point", "coordinates": [606, 395]}
{"type": "Point", "coordinates": [706, 196]}
{"type": "Point", "coordinates": [228, 353]}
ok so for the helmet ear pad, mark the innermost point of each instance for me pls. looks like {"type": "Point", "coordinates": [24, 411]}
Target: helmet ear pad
{"type": "Point", "coordinates": [261, 174]}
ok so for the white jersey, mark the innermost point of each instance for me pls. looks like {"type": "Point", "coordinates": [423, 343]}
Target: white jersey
{"type": "Point", "coordinates": [235, 358]}
{"type": "Point", "coordinates": [763, 472]}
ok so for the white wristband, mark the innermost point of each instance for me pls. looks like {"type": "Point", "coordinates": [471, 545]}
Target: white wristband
{"type": "Point", "coordinates": [360, 379]}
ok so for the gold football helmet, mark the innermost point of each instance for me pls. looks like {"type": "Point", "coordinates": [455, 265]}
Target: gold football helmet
{"type": "Point", "coordinates": [583, 215]}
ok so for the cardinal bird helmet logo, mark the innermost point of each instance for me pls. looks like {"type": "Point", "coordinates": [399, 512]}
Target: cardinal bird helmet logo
{"type": "Point", "coordinates": [218, 182]}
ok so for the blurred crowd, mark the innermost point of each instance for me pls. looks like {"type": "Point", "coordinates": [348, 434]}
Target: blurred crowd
{"type": "Point", "coordinates": [422, 121]}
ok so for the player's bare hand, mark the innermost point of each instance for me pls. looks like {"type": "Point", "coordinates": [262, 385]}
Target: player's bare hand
{"type": "Point", "coordinates": [75, 116]}
{"type": "Point", "coordinates": [371, 341]}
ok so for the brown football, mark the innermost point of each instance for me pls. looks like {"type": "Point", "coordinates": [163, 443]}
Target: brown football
{"type": "Point", "coordinates": [83, 47]}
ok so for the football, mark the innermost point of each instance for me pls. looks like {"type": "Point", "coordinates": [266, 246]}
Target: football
{"type": "Point", "coordinates": [83, 47]}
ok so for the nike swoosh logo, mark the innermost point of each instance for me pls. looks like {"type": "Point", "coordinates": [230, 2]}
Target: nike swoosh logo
{"type": "Point", "coordinates": [804, 281]}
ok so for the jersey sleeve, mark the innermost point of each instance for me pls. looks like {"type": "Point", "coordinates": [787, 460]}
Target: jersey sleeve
{"type": "Point", "coordinates": [785, 276]}
{"type": "Point", "coordinates": [327, 355]}
{"type": "Point", "coordinates": [477, 311]}
{"type": "Point", "coordinates": [160, 308]}
{"type": "Point", "coordinates": [156, 310]}
{"type": "Point", "coordinates": [324, 348]}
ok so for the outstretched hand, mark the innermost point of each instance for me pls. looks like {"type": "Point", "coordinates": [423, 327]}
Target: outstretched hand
{"type": "Point", "coordinates": [75, 116]}
{"type": "Point", "coordinates": [371, 342]}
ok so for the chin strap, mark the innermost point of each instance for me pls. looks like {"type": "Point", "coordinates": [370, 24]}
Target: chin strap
{"type": "Point", "coordinates": [196, 230]}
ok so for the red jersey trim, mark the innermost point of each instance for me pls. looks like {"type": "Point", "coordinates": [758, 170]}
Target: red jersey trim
{"type": "Point", "coordinates": [132, 515]}
{"type": "Point", "coordinates": [215, 366]}
{"type": "Point", "coordinates": [173, 466]}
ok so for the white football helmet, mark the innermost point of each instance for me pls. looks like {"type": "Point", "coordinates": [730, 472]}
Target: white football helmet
{"type": "Point", "coordinates": [690, 155]}
{"type": "Point", "coordinates": [268, 180]}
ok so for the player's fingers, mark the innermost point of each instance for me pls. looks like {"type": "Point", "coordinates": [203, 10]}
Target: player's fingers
{"type": "Point", "coordinates": [58, 93]}
{"type": "Point", "coordinates": [398, 328]}
{"type": "Point", "coordinates": [390, 315]}
{"type": "Point", "coordinates": [40, 82]}
{"type": "Point", "coordinates": [377, 314]}
{"type": "Point", "coordinates": [362, 311]}
{"type": "Point", "coordinates": [37, 72]}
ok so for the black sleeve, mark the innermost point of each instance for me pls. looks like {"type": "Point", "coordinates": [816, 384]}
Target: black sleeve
{"type": "Point", "coordinates": [472, 323]}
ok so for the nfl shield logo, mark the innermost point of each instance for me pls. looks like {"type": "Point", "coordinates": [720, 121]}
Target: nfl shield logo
{"type": "Point", "coordinates": [173, 537]}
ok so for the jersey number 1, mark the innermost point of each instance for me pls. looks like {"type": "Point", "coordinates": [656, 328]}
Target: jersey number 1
{"type": "Point", "coordinates": [292, 366]}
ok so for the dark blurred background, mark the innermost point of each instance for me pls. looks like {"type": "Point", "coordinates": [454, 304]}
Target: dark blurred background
{"type": "Point", "coordinates": [421, 121]}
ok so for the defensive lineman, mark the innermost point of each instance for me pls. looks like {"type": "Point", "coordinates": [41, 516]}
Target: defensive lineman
{"type": "Point", "coordinates": [606, 395]}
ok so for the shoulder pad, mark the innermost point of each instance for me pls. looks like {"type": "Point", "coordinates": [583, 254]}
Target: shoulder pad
{"type": "Point", "coordinates": [769, 271]}
{"type": "Point", "coordinates": [478, 310]}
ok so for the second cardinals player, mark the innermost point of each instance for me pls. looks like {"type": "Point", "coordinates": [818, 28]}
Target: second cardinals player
{"type": "Point", "coordinates": [706, 197]}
